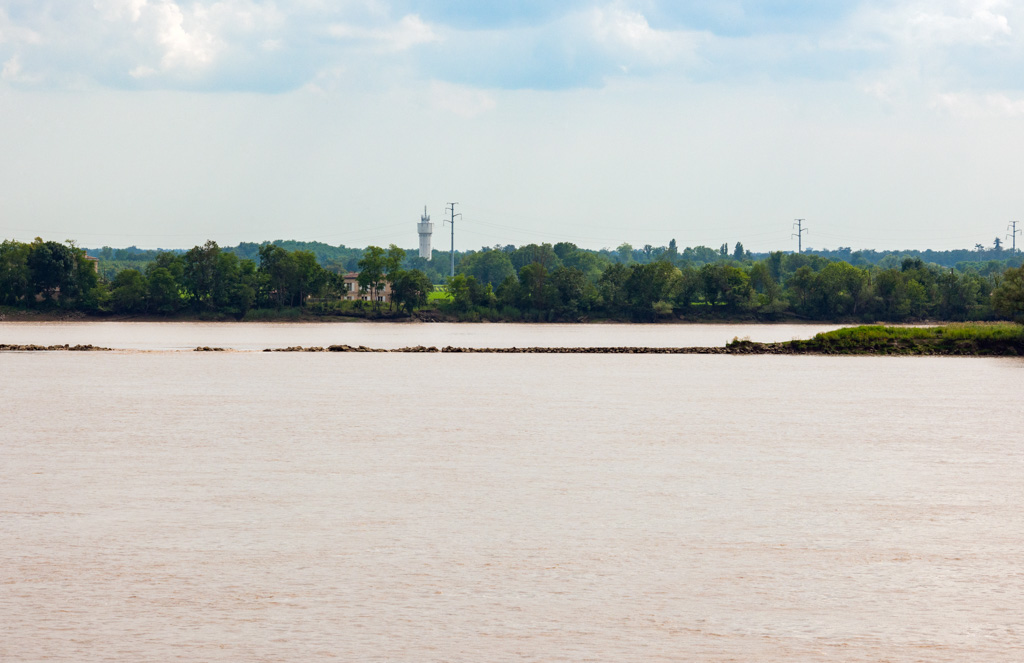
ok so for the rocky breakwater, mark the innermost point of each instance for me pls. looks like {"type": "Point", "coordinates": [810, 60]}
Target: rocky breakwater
{"type": "Point", "coordinates": [626, 350]}
{"type": "Point", "coordinates": [331, 348]}
{"type": "Point", "coordinates": [8, 347]}
{"type": "Point", "coordinates": [584, 350]}
{"type": "Point", "coordinates": [350, 348]}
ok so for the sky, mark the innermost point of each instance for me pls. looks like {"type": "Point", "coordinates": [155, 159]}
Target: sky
{"type": "Point", "coordinates": [884, 124]}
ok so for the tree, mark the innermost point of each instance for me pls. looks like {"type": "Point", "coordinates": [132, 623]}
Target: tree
{"type": "Point", "coordinates": [1008, 297]}
{"type": "Point", "coordinates": [543, 254]}
{"type": "Point", "coordinates": [590, 263]}
{"type": "Point", "coordinates": [393, 259]}
{"type": "Point", "coordinates": [737, 287]}
{"type": "Point", "coordinates": [673, 251]}
{"type": "Point", "coordinates": [129, 292]}
{"type": "Point", "coordinates": [712, 282]}
{"type": "Point", "coordinates": [15, 274]}
{"type": "Point", "coordinates": [611, 287]}
{"type": "Point", "coordinates": [800, 284]}
{"type": "Point", "coordinates": [51, 266]}
{"type": "Point", "coordinates": [569, 287]}
{"type": "Point", "coordinates": [409, 288]}
{"type": "Point", "coordinates": [649, 284]}
{"type": "Point", "coordinates": [241, 284]}
{"type": "Point", "coordinates": [280, 273]}
{"type": "Point", "coordinates": [309, 276]}
{"type": "Point", "coordinates": [488, 266]}
{"type": "Point", "coordinates": [533, 287]}
{"type": "Point", "coordinates": [689, 287]}
{"type": "Point", "coordinates": [891, 293]}
{"type": "Point", "coordinates": [85, 283]}
{"type": "Point", "coordinates": [563, 249]}
{"type": "Point", "coordinates": [164, 292]}
{"type": "Point", "coordinates": [738, 253]}
{"type": "Point", "coordinates": [839, 289]}
{"type": "Point", "coordinates": [764, 284]}
{"type": "Point", "coordinates": [371, 272]}
{"type": "Point", "coordinates": [201, 275]}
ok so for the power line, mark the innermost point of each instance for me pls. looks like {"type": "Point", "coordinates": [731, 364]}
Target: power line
{"type": "Point", "coordinates": [799, 234]}
{"type": "Point", "coordinates": [451, 208]}
{"type": "Point", "coordinates": [1013, 235]}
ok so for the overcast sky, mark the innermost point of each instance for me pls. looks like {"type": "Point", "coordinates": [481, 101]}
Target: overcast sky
{"type": "Point", "coordinates": [884, 124]}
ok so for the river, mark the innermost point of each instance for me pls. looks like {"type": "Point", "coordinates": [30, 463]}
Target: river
{"type": "Point", "coordinates": [160, 505]}
{"type": "Point", "coordinates": [257, 336]}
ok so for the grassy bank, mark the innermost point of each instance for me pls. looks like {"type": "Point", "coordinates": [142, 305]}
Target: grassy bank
{"type": "Point", "coordinates": [965, 339]}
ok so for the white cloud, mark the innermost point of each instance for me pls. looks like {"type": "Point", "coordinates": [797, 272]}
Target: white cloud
{"type": "Point", "coordinates": [190, 48]}
{"type": "Point", "coordinates": [11, 69]}
{"type": "Point", "coordinates": [463, 101]}
{"type": "Point", "coordinates": [619, 28]}
{"type": "Point", "coordinates": [927, 53]}
{"type": "Point", "coordinates": [112, 10]}
{"type": "Point", "coordinates": [976, 22]}
{"type": "Point", "coordinates": [408, 32]}
{"type": "Point", "coordinates": [142, 71]}
{"type": "Point", "coordinates": [886, 46]}
{"type": "Point", "coordinates": [975, 106]}
{"type": "Point", "coordinates": [925, 25]}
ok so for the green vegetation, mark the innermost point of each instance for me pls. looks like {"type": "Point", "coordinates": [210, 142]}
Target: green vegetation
{"type": "Point", "coordinates": [535, 282]}
{"type": "Point", "coordinates": [1000, 339]}
{"type": "Point", "coordinates": [205, 282]}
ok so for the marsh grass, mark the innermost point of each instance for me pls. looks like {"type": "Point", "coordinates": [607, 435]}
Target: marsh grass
{"type": "Point", "coordinates": [958, 338]}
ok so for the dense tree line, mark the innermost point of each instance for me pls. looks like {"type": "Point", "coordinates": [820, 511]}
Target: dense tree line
{"type": "Point", "coordinates": [337, 259]}
{"type": "Point", "coordinates": [45, 273]}
{"type": "Point", "coordinates": [532, 282]}
{"type": "Point", "coordinates": [204, 280]}
{"type": "Point", "coordinates": [561, 282]}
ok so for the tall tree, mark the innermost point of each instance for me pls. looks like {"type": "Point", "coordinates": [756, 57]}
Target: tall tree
{"type": "Point", "coordinates": [51, 267]}
{"type": "Point", "coordinates": [1008, 297]}
{"type": "Point", "coordinates": [129, 292]}
{"type": "Point", "coordinates": [409, 288]}
{"type": "Point", "coordinates": [371, 272]}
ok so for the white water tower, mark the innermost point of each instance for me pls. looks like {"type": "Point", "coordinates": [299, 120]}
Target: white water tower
{"type": "Point", "coordinates": [426, 228]}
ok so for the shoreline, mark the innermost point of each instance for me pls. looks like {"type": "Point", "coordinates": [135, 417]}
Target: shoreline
{"type": "Point", "coordinates": [735, 348]}
{"type": "Point", "coordinates": [80, 317]}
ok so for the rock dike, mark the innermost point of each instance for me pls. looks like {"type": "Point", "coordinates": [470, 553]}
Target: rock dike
{"type": "Point", "coordinates": [583, 350]}
{"type": "Point", "coordinates": [8, 347]}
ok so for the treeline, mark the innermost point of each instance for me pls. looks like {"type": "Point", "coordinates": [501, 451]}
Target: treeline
{"type": "Point", "coordinates": [338, 259]}
{"type": "Point", "coordinates": [561, 282]}
{"type": "Point", "coordinates": [536, 282]}
{"type": "Point", "coordinates": [205, 280]}
{"type": "Point", "coordinates": [990, 260]}
{"type": "Point", "coordinates": [45, 273]}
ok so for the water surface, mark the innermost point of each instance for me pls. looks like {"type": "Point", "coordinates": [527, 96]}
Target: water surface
{"type": "Point", "coordinates": [256, 335]}
{"type": "Point", "coordinates": [297, 507]}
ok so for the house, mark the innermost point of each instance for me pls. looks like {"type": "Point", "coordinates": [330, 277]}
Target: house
{"type": "Point", "coordinates": [350, 291]}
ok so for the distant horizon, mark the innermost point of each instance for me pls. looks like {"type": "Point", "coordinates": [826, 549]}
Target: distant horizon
{"type": "Point", "coordinates": [389, 235]}
{"type": "Point", "coordinates": [412, 249]}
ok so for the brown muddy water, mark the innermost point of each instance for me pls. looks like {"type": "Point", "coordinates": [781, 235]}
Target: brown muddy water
{"type": "Point", "coordinates": [257, 335]}
{"type": "Point", "coordinates": [377, 507]}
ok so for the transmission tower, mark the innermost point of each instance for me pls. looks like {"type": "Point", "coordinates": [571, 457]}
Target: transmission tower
{"type": "Point", "coordinates": [451, 208]}
{"type": "Point", "coordinates": [1013, 234]}
{"type": "Point", "coordinates": [799, 234]}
